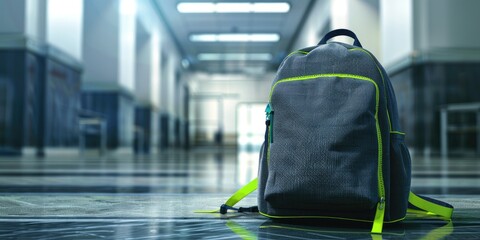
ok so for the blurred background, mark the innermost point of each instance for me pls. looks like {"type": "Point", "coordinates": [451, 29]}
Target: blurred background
{"type": "Point", "coordinates": [168, 96]}
{"type": "Point", "coordinates": [153, 75]}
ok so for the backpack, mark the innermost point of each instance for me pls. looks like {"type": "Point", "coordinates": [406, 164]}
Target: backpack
{"type": "Point", "coordinates": [333, 146]}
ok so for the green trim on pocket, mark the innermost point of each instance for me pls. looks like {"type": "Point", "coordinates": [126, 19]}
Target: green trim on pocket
{"type": "Point", "coordinates": [383, 80]}
{"type": "Point", "coordinates": [311, 77]}
{"type": "Point", "coordinates": [298, 51]}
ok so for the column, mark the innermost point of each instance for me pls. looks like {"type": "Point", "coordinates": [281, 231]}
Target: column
{"type": "Point", "coordinates": [144, 107]}
{"type": "Point", "coordinates": [40, 72]}
{"type": "Point", "coordinates": [109, 57]}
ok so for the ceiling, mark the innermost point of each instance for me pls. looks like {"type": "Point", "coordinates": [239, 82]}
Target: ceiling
{"type": "Point", "coordinates": [182, 25]}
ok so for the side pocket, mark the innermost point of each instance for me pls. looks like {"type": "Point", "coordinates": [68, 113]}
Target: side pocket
{"type": "Point", "coordinates": [400, 176]}
{"type": "Point", "coordinates": [263, 172]}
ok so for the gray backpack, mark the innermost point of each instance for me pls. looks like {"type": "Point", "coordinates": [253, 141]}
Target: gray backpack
{"type": "Point", "coordinates": [333, 146]}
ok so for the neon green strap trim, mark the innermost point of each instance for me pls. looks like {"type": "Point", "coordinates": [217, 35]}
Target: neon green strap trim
{"type": "Point", "coordinates": [237, 196]}
{"type": "Point", "coordinates": [298, 51]}
{"type": "Point", "coordinates": [419, 212]}
{"type": "Point", "coordinates": [379, 216]}
{"type": "Point", "coordinates": [242, 192]}
{"type": "Point", "coordinates": [326, 75]}
{"type": "Point", "coordinates": [430, 207]}
{"type": "Point", "coordinates": [206, 211]}
{"type": "Point", "coordinates": [397, 132]}
{"type": "Point", "coordinates": [381, 75]}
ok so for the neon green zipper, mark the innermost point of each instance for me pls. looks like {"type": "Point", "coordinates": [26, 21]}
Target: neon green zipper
{"type": "Point", "coordinates": [383, 80]}
{"type": "Point", "coordinates": [376, 65]}
{"type": "Point", "coordinates": [380, 210]}
{"type": "Point", "coordinates": [298, 51]}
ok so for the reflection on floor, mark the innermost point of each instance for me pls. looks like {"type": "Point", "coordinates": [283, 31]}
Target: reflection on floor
{"type": "Point", "coordinates": [121, 196]}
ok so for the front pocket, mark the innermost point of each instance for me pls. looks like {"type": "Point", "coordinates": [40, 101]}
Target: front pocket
{"type": "Point", "coordinates": [400, 173]}
{"type": "Point", "coordinates": [326, 150]}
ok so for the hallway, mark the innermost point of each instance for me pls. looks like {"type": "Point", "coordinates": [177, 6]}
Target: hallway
{"type": "Point", "coordinates": [121, 118]}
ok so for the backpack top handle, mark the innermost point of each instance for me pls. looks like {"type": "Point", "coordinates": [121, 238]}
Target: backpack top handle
{"type": "Point", "coordinates": [340, 32]}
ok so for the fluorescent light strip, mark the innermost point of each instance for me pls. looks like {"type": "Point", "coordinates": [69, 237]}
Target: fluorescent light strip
{"type": "Point", "coordinates": [234, 57]}
{"type": "Point", "coordinates": [233, 7]}
{"type": "Point", "coordinates": [235, 37]}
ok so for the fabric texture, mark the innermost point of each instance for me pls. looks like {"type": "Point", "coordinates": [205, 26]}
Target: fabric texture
{"type": "Point", "coordinates": [327, 136]}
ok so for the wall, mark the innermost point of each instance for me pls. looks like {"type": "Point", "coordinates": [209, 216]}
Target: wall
{"type": "Point", "coordinates": [360, 16]}
{"type": "Point", "coordinates": [312, 29]}
{"type": "Point", "coordinates": [160, 87]}
{"type": "Point", "coordinates": [396, 26]}
{"type": "Point", "coordinates": [364, 20]}
{"type": "Point", "coordinates": [143, 77]}
{"type": "Point", "coordinates": [12, 16]}
{"type": "Point", "coordinates": [100, 57]}
{"type": "Point", "coordinates": [36, 22]}
{"type": "Point", "coordinates": [162, 71]}
{"type": "Point", "coordinates": [24, 17]}
{"type": "Point", "coordinates": [155, 69]}
{"type": "Point", "coordinates": [47, 89]}
{"type": "Point", "coordinates": [418, 29]}
{"type": "Point", "coordinates": [126, 46]}
{"type": "Point", "coordinates": [446, 24]}
{"type": "Point", "coordinates": [64, 25]}
{"type": "Point", "coordinates": [432, 57]}
{"type": "Point", "coordinates": [102, 35]}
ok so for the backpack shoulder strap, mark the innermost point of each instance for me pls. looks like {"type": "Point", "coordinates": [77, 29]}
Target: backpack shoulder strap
{"type": "Point", "coordinates": [430, 205]}
{"type": "Point", "coordinates": [239, 195]}
{"type": "Point", "coordinates": [235, 198]}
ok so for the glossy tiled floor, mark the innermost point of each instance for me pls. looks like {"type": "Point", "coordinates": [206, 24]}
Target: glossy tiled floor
{"type": "Point", "coordinates": [120, 196]}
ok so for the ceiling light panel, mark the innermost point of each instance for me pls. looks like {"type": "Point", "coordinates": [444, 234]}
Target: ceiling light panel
{"type": "Point", "coordinates": [233, 7]}
{"type": "Point", "coordinates": [235, 37]}
{"type": "Point", "coordinates": [234, 56]}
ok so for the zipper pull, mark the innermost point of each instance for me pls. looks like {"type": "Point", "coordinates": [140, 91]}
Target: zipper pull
{"type": "Point", "coordinates": [268, 109]}
{"type": "Point", "coordinates": [269, 113]}
{"type": "Point", "coordinates": [382, 203]}
{"type": "Point", "coordinates": [379, 215]}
